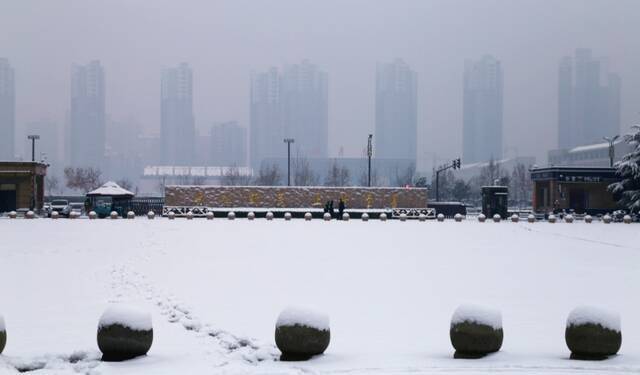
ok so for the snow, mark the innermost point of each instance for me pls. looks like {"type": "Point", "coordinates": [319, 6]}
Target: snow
{"type": "Point", "coordinates": [127, 316]}
{"type": "Point", "coordinates": [303, 317]}
{"type": "Point", "coordinates": [110, 188]}
{"type": "Point", "coordinates": [594, 315]}
{"type": "Point", "coordinates": [477, 314]}
{"type": "Point", "coordinates": [215, 289]}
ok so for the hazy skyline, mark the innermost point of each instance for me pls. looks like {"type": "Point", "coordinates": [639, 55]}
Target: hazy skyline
{"type": "Point", "coordinates": [223, 41]}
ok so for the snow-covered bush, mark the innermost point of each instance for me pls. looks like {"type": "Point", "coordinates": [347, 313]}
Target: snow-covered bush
{"type": "Point", "coordinates": [302, 333]}
{"type": "Point", "coordinates": [551, 219]}
{"type": "Point", "coordinates": [210, 215]}
{"type": "Point", "coordinates": [422, 217]}
{"type": "Point", "coordinates": [475, 331]}
{"type": "Point", "coordinates": [568, 219]}
{"type": "Point", "coordinates": [308, 216]}
{"type": "Point", "coordinates": [131, 215]}
{"type": "Point", "coordinates": [440, 217]}
{"type": "Point", "coordinates": [365, 217]}
{"type": "Point", "coordinates": [113, 215]}
{"type": "Point", "coordinates": [93, 215]}
{"type": "Point", "coordinates": [151, 215]}
{"type": "Point", "coordinates": [13, 214]}
{"type": "Point", "coordinates": [588, 219]}
{"type": "Point", "coordinates": [171, 215]}
{"type": "Point", "coordinates": [55, 215]}
{"type": "Point", "coordinates": [515, 218]}
{"type": "Point", "coordinates": [531, 218]}
{"type": "Point", "coordinates": [458, 217]}
{"type": "Point", "coordinates": [626, 219]}
{"type": "Point", "coordinates": [124, 332]}
{"type": "Point", "coordinates": [189, 215]}
{"type": "Point", "coordinates": [346, 217]}
{"type": "Point", "coordinates": [628, 169]}
{"type": "Point", "coordinates": [3, 334]}
{"type": "Point", "coordinates": [496, 218]}
{"type": "Point", "coordinates": [482, 218]}
{"type": "Point", "coordinates": [231, 215]}
{"type": "Point", "coordinates": [403, 217]}
{"type": "Point", "coordinates": [251, 215]}
{"type": "Point", "coordinates": [287, 216]}
{"type": "Point", "coordinates": [30, 215]}
{"type": "Point", "coordinates": [326, 216]}
{"type": "Point", "coordinates": [269, 215]}
{"type": "Point", "coordinates": [383, 217]}
{"type": "Point", "coordinates": [606, 219]}
{"type": "Point", "coordinates": [593, 333]}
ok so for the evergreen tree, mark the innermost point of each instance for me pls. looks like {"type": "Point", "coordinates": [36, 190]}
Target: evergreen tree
{"type": "Point", "coordinates": [627, 190]}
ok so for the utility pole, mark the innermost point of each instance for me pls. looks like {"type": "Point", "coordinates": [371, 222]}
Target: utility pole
{"type": "Point", "coordinates": [33, 139]}
{"type": "Point", "coordinates": [612, 150]}
{"type": "Point", "coordinates": [288, 141]}
{"type": "Point", "coordinates": [455, 164]}
{"type": "Point", "coordinates": [369, 155]}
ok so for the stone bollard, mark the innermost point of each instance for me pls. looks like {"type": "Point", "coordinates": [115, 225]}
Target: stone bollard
{"type": "Point", "coordinates": [326, 216]}
{"type": "Point", "coordinates": [458, 218]}
{"type": "Point", "coordinates": [269, 215]}
{"type": "Point", "coordinates": [55, 215]}
{"type": "Point", "coordinates": [3, 334]}
{"type": "Point", "coordinates": [124, 333]}
{"type": "Point", "coordinates": [251, 215]}
{"type": "Point", "coordinates": [189, 215]}
{"type": "Point", "coordinates": [531, 218]}
{"type": "Point", "coordinates": [588, 219]}
{"type": "Point", "coordinates": [131, 215]}
{"type": "Point", "coordinates": [308, 216]}
{"type": "Point", "coordinates": [627, 219]}
{"type": "Point", "coordinates": [475, 331]}
{"type": "Point", "coordinates": [30, 215]}
{"type": "Point", "coordinates": [113, 215]}
{"type": "Point", "coordinates": [496, 218]}
{"type": "Point", "coordinates": [13, 215]}
{"type": "Point", "coordinates": [593, 333]}
{"type": "Point", "coordinates": [231, 215]}
{"type": "Point", "coordinates": [73, 215]}
{"type": "Point", "coordinates": [93, 215]}
{"type": "Point", "coordinates": [551, 219]}
{"type": "Point", "coordinates": [568, 219]}
{"type": "Point", "coordinates": [301, 334]}
{"type": "Point", "coordinates": [440, 217]}
{"type": "Point", "coordinates": [515, 218]}
{"type": "Point", "coordinates": [365, 217]}
{"type": "Point", "coordinates": [403, 217]}
{"type": "Point", "coordinates": [151, 215]}
{"type": "Point", "coordinates": [482, 218]}
{"type": "Point", "coordinates": [345, 217]}
{"type": "Point", "coordinates": [210, 215]}
{"type": "Point", "coordinates": [606, 219]}
{"type": "Point", "coordinates": [383, 217]}
{"type": "Point", "coordinates": [287, 216]}
{"type": "Point", "coordinates": [422, 217]}
{"type": "Point", "coordinates": [171, 215]}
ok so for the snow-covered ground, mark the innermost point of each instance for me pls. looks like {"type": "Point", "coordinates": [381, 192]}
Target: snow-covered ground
{"type": "Point", "coordinates": [215, 290]}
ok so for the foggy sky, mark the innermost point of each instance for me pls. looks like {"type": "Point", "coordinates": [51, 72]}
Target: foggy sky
{"type": "Point", "coordinates": [224, 41]}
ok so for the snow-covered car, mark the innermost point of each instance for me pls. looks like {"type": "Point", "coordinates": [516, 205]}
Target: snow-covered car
{"type": "Point", "coordinates": [78, 208]}
{"type": "Point", "coordinates": [61, 206]}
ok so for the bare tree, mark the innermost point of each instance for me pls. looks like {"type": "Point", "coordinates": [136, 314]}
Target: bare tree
{"type": "Point", "coordinates": [269, 175]}
{"type": "Point", "coordinates": [52, 184]}
{"type": "Point", "coordinates": [233, 176]}
{"type": "Point", "coordinates": [521, 184]}
{"type": "Point", "coordinates": [405, 177]}
{"type": "Point", "coordinates": [337, 176]}
{"type": "Point", "coordinates": [364, 177]}
{"type": "Point", "coordinates": [82, 179]}
{"type": "Point", "coordinates": [302, 173]}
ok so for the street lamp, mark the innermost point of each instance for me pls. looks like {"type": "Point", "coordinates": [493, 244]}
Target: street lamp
{"type": "Point", "coordinates": [288, 141]}
{"type": "Point", "coordinates": [33, 139]}
{"type": "Point", "coordinates": [612, 150]}
{"type": "Point", "coordinates": [369, 155]}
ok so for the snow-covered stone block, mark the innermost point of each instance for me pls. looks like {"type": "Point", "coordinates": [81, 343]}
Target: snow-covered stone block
{"type": "Point", "coordinates": [302, 333]}
{"type": "Point", "coordinates": [73, 215]}
{"type": "Point", "coordinates": [552, 219]}
{"type": "Point", "coordinates": [440, 217]}
{"type": "Point", "coordinates": [627, 219]}
{"type": "Point", "coordinates": [113, 215]}
{"type": "Point", "coordinates": [365, 217]}
{"type": "Point", "coordinates": [55, 215]}
{"type": "Point", "coordinates": [151, 215]}
{"type": "Point", "coordinates": [515, 218]}
{"type": "Point", "coordinates": [458, 217]}
{"type": "Point", "coordinates": [287, 216]}
{"type": "Point", "coordinates": [606, 219]}
{"type": "Point", "coordinates": [345, 216]}
{"type": "Point", "coordinates": [569, 219]}
{"type": "Point", "coordinates": [210, 215]}
{"type": "Point", "coordinates": [13, 214]}
{"type": "Point", "coordinates": [269, 215]}
{"type": "Point", "coordinates": [383, 217]}
{"type": "Point", "coordinates": [496, 218]}
{"type": "Point", "coordinates": [588, 219]}
{"type": "Point", "coordinates": [3, 334]}
{"type": "Point", "coordinates": [531, 218]}
{"type": "Point", "coordinates": [124, 332]}
{"type": "Point", "coordinates": [131, 215]}
{"type": "Point", "coordinates": [30, 215]}
{"type": "Point", "coordinates": [189, 215]}
{"type": "Point", "coordinates": [231, 215]}
{"type": "Point", "coordinates": [475, 331]}
{"type": "Point", "coordinates": [171, 215]}
{"type": "Point", "coordinates": [251, 215]}
{"type": "Point", "coordinates": [403, 217]}
{"type": "Point", "coordinates": [593, 333]}
{"type": "Point", "coordinates": [422, 217]}
{"type": "Point", "coordinates": [93, 215]}
{"type": "Point", "coordinates": [482, 218]}
{"type": "Point", "coordinates": [326, 216]}
{"type": "Point", "coordinates": [308, 216]}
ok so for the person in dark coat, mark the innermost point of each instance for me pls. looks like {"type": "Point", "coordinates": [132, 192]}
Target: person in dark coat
{"type": "Point", "coordinates": [340, 209]}
{"type": "Point", "coordinates": [326, 207]}
{"type": "Point", "coordinates": [331, 209]}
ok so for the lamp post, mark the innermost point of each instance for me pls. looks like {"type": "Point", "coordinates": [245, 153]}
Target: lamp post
{"type": "Point", "coordinates": [288, 141]}
{"type": "Point", "coordinates": [612, 150]}
{"type": "Point", "coordinates": [33, 139]}
{"type": "Point", "coordinates": [369, 155]}
{"type": "Point", "coordinates": [455, 164]}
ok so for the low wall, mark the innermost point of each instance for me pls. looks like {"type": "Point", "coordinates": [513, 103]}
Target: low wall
{"type": "Point", "coordinates": [294, 197]}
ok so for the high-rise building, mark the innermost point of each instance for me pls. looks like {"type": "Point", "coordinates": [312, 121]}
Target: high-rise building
{"type": "Point", "coordinates": [292, 103]}
{"type": "Point", "coordinates": [87, 115]}
{"type": "Point", "coordinates": [7, 111]}
{"type": "Point", "coordinates": [177, 130]}
{"type": "Point", "coordinates": [228, 145]}
{"type": "Point", "coordinates": [396, 111]}
{"type": "Point", "coordinates": [588, 101]}
{"type": "Point", "coordinates": [482, 106]}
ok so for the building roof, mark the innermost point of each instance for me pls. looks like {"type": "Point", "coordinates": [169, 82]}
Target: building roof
{"type": "Point", "coordinates": [110, 189]}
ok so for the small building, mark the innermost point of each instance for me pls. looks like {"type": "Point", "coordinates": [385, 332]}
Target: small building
{"type": "Point", "coordinates": [578, 189]}
{"type": "Point", "coordinates": [21, 185]}
{"type": "Point", "coordinates": [109, 197]}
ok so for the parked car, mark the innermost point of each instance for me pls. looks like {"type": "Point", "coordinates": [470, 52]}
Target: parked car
{"type": "Point", "coordinates": [61, 206]}
{"type": "Point", "coordinates": [78, 208]}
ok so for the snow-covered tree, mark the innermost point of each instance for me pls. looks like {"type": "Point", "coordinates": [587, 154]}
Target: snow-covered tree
{"type": "Point", "coordinates": [628, 169]}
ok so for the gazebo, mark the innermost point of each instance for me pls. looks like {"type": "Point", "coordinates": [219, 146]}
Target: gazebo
{"type": "Point", "coordinates": [109, 197]}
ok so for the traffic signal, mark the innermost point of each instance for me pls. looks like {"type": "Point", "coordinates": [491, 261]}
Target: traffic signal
{"type": "Point", "coordinates": [456, 163]}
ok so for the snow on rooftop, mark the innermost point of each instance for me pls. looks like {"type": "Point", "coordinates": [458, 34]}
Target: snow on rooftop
{"type": "Point", "coordinates": [304, 317]}
{"type": "Point", "coordinates": [477, 314]}
{"type": "Point", "coordinates": [127, 316]}
{"type": "Point", "coordinates": [595, 315]}
{"type": "Point", "coordinates": [110, 188]}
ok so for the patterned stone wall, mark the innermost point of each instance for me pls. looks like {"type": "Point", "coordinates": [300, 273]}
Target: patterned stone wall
{"type": "Point", "coordinates": [294, 197]}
